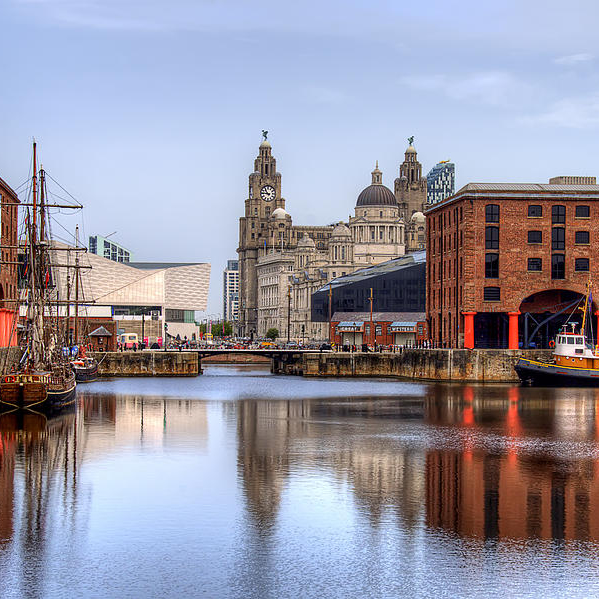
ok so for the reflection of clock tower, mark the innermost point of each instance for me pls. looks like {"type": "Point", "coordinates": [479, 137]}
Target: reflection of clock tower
{"type": "Point", "coordinates": [264, 197]}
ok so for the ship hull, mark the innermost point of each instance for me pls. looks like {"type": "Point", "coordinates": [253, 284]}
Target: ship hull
{"type": "Point", "coordinates": [85, 374]}
{"type": "Point", "coordinates": [543, 374]}
{"type": "Point", "coordinates": [39, 392]}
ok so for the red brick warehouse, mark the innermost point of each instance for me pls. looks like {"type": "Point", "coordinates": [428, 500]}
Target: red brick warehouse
{"type": "Point", "coordinates": [8, 273]}
{"type": "Point", "coordinates": [508, 263]}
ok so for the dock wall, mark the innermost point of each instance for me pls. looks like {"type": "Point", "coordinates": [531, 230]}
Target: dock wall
{"type": "Point", "coordinates": [147, 363]}
{"type": "Point", "coordinates": [467, 365]}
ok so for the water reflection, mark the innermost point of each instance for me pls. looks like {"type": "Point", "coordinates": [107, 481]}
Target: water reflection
{"type": "Point", "coordinates": [244, 485]}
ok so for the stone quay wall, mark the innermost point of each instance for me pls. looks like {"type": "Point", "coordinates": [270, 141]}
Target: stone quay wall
{"type": "Point", "coordinates": [467, 365]}
{"type": "Point", "coordinates": [147, 363]}
{"type": "Point", "coordinates": [236, 359]}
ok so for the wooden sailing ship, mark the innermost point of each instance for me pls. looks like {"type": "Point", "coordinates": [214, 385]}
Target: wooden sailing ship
{"type": "Point", "coordinates": [43, 378]}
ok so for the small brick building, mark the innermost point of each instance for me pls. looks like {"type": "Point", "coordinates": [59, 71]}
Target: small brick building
{"type": "Point", "coordinates": [386, 328]}
{"type": "Point", "coordinates": [507, 264]}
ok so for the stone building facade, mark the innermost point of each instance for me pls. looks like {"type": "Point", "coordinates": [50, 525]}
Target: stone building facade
{"type": "Point", "coordinates": [304, 258]}
{"type": "Point", "coordinates": [507, 264]}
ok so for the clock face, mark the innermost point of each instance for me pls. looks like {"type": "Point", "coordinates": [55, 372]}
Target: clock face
{"type": "Point", "coordinates": [268, 193]}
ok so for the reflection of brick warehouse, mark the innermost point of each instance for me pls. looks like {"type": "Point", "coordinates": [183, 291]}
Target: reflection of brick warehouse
{"type": "Point", "coordinates": [512, 494]}
{"type": "Point", "coordinates": [504, 259]}
{"type": "Point", "coordinates": [8, 444]}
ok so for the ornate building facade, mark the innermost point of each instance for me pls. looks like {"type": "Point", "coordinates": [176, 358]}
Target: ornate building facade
{"type": "Point", "coordinates": [282, 264]}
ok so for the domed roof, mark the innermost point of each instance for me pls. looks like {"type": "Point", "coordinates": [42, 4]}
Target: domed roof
{"type": "Point", "coordinates": [376, 195]}
{"type": "Point", "coordinates": [279, 214]}
{"type": "Point", "coordinates": [341, 230]}
{"type": "Point", "coordinates": [418, 217]}
{"type": "Point", "coordinates": [411, 149]}
{"type": "Point", "coordinates": [265, 144]}
{"type": "Point", "coordinates": [306, 242]}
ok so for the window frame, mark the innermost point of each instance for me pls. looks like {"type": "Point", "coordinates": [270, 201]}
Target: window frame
{"type": "Point", "coordinates": [577, 261]}
{"type": "Point", "coordinates": [535, 231]}
{"type": "Point", "coordinates": [558, 244]}
{"type": "Point", "coordinates": [540, 262]}
{"type": "Point", "coordinates": [557, 218]}
{"type": "Point", "coordinates": [490, 217]}
{"type": "Point", "coordinates": [491, 266]}
{"type": "Point", "coordinates": [539, 206]}
{"type": "Point", "coordinates": [588, 237]}
{"type": "Point", "coordinates": [554, 267]}
{"type": "Point", "coordinates": [487, 291]}
{"type": "Point", "coordinates": [588, 215]}
{"type": "Point", "coordinates": [492, 240]}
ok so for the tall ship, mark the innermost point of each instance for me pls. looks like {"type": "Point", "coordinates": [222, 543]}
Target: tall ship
{"type": "Point", "coordinates": [43, 378]}
{"type": "Point", "coordinates": [575, 360]}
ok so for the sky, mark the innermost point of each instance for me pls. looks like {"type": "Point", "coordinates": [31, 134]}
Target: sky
{"type": "Point", "coordinates": [150, 112]}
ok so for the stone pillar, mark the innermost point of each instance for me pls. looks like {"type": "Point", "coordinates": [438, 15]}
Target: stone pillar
{"type": "Point", "coordinates": [513, 330]}
{"type": "Point", "coordinates": [468, 329]}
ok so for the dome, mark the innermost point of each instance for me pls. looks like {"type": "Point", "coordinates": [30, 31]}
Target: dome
{"type": "Point", "coordinates": [341, 230]}
{"type": "Point", "coordinates": [265, 144]}
{"type": "Point", "coordinates": [306, 242]}
{"type": "Point", "coordinates": [418, 217]}
{"type": "Point", "coordinates": [279, 214]}
{"type": "Point", "coordinates": [411, 149]}
{"type": "Point", "coordinates": [376, 195]}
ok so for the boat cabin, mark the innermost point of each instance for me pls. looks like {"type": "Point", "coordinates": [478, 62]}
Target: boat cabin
{"type": "Point", "coordinates": [571, 349]}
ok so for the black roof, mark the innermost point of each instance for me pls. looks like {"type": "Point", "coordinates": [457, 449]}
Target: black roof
{"type": "Point", "coordinates": [376, 195]}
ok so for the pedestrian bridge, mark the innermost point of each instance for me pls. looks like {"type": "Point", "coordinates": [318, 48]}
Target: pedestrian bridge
{"type": "Point", "coordinates": [281, 360]}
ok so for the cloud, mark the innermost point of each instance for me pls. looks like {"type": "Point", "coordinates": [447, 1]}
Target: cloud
{"type": "Point", "coordinates": [575, 112]}
{"type": "Point", "coordinates": [573, 59]}
{"type": "Point", "coordinates": [495, 88]}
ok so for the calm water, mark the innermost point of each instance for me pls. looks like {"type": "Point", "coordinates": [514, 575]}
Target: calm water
{"type": "Point", "coordinates": [242, 484]}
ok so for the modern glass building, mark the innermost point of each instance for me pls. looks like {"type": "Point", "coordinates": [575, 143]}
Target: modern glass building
{"type": "Point", "coordinates": [108, 249]}
{"type": "Point", "coordinates": [397, 285]}
{"type": "Point", "coordinates": [440, 182]}
{"type": "Point", "coordinates": [231, 291]}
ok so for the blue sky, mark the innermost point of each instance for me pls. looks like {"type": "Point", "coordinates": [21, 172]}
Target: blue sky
{"type": "Point", "coordinates": [150, 112]}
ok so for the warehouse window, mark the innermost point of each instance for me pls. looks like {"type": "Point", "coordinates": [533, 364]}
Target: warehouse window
{"type": "Point", "coordinates": [492, 213]}
{"type": "Point", "coordinates": [492, 238]}
{"type": "Point", "coordinates": [583, 211]}
{"type": "Point", "coordinates": [491, 266]}
{"type": "Point", "coordinates": [492, 294]}
{"type": "Point", "coordinates": [581, 264]}
{"type": "Point", "coordinates": [582, 237]}
{"type": "Point", "coordinates": [558, 238]}
{"type": "Point", "coordinates": [535, 264]}
{"type": "Point", "coordinates": [535, 211]}
{"type": "Point", "coordinates": [535, 237]}
{"type": "Point", "coordinates": [558, 266]}
{"type": "Point", "coordinates": [558, 214]}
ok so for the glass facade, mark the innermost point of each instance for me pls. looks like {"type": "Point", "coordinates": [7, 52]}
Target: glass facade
{"type": "Point", "coordinates": [398, 285]}
{"type": "Point", "coordinates": [108, 249]}
{"type": "Point", "coordinates": [440, 182]}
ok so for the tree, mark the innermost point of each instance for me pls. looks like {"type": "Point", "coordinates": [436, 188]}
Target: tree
{"type": "Point", "coordinates": [272, 334]}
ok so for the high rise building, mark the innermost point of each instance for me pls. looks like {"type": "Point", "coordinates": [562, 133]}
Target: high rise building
{"type": "Point", "coordinates": [440, 182]}
{"type": "Point", "coordinates": [231, 291]}
{"type": "Point", "coordinates": [108, 249]}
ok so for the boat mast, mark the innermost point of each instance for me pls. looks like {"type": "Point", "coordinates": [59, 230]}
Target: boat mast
{"type": "Point", "coordinates": [586, 305]}
{"type": "Point", "coordinates": [77, 286]}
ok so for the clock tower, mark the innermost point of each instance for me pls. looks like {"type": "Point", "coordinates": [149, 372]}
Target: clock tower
{"type": "Point", "coordinates": [264, 196]}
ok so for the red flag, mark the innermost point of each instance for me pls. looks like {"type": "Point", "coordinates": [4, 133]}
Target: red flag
{"type": "Point", "coordinates": [47, 277]}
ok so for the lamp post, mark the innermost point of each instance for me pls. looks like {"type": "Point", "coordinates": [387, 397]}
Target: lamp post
{"type": "Point", "coordinates": [288, 311]}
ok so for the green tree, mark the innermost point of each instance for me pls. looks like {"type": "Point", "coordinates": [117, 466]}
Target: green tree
{"type": "Point", "coordinates": [272, 334]}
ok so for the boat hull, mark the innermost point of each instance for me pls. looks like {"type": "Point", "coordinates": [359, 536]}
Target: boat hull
{"type": "Point", "coordinates": [40, 392]}
{"type": "Point", "coordinates": [86, 374]}
{"type": "Point", "coordinates": [544, 374]}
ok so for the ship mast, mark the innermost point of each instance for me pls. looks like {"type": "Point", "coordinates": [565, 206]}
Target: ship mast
{"type": "Point", "coordinates": [77, 286]}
